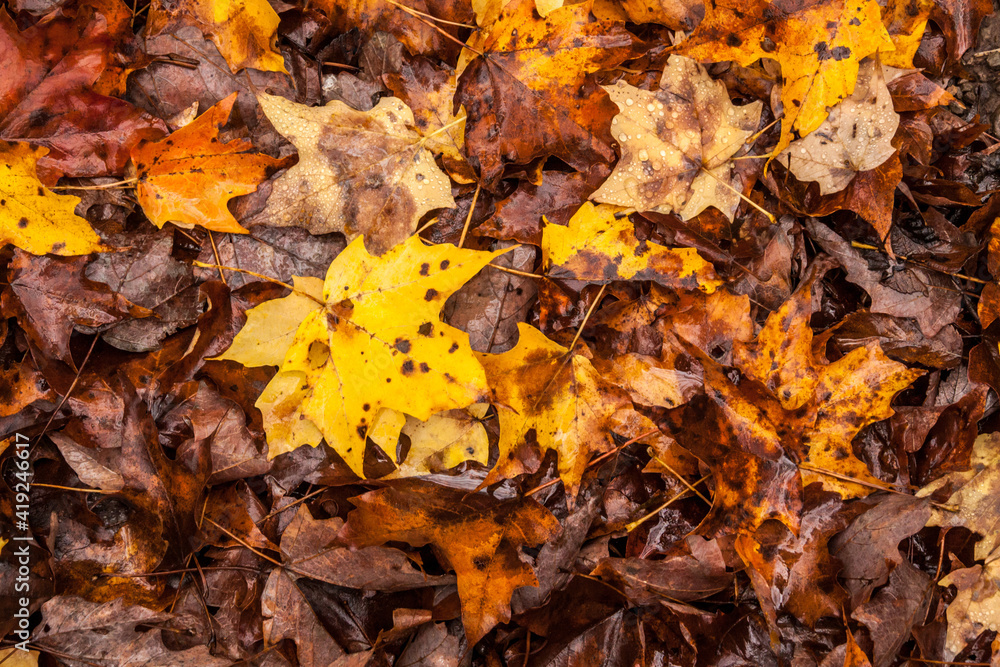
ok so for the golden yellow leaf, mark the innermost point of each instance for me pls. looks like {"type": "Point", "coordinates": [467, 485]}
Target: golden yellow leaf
{"type": "Point", "coordinates": [597, 247]}
{"type": "Point", "coordinates": [540, 388]}
{"type": "Point", "coordinates": [34, 218]}
{"type": "Point", "coordinates": [280, 405]}
{"type": "Point", "coordinates": [442, 442]}
{"type": "Point", "coordinates": [676, 143]}
{"type": "Point", "coordinates": [358, 172]}
{"type": "Point", "coordinates": [245, 31]}
{"type": "Point", "coordinates": [270, 328]}
{"type": "Point", "coordinates": [818, 43]}
{"type": "Point", "coordinates": [378, 342]}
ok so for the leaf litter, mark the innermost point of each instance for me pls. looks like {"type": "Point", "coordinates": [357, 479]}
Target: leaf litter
{"type": "Point", "coordinates": [501, 333]}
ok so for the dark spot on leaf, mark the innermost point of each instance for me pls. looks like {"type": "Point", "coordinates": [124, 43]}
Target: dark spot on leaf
{"type": "Point", "coordinates": [431, 293]}
{"type": "Point", "coordinates": [426, 329]}
{"type": "Point", "coordinates": [407, 367]}
{"type": "Point", "coordinates": [402, 345]}
{"type": "Point", "coordinates": [425, 269]}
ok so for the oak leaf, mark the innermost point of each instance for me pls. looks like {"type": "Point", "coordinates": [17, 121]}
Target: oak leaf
{"type": "Point", "coordinates": [677, 142]}
{"type": "Point", "coordinates": [34, 218]}
{"type": "Point", "coordinates": [375, 340]}
{"type": "Point", "coordinates": [818, 43]}
{"type": "Point", "coordinates": [480, 537]}
{"type": "Point", "coordinates": [245, 31]}
{"type": "Point", "coordinates": [599, 247]}
{"type": "Point", "coordinates": [855, 137]}
{"type": "Point", "coordinates": [549, 397]}
{"type": "Point", "coordinates": [358, 172]}
{"type": "Point", "coordinates": [528, 94]}
{"type": "Point", "coordinates": [190, 176]}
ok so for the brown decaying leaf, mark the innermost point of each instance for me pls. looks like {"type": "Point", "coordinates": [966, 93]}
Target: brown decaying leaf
{"type": "Point", "coordinates": [488, 571]}
{"type": "Point", "coordinates": [530, 94]}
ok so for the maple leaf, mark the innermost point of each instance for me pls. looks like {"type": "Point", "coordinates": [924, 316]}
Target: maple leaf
{"type": "Point", "coordinates": [455, 522]}
{"type": "Point", "coordinates": [52, 297]}
{"type": "Point", "coordinates": [34, 218]}
{"type": "Point", "coordinates": [243, 30]}
{"type": "Point", "coordinates": [190, 176]}
{"type": "Point", "coordinates": [795, 572]}
{"type": "Point", "coordinates": [310, 548]}
{"type": "Point", "coordinates": [552, 398]}
{"type": "Point", "coordinates": [358, 172]}
{"type": "Point", "coordinates": [599, 247]}
{"type": "Point", "coordinates": [675, 14]}
{"type": "Point", "coordinates": [856, 136]}
{"type": "Point", "coordinates": [438, 444]}
{"type": "Point", "coordinates": [677, 143]}
{"type": "Point", "coordinates": [429, 91]}
{"type": "Point", "coordinates": [527, 93]}
{"type": "Point", "coordinates": [375, 341]}
{"type": "Point", "coordinates": [834, 401]}
{"type": "Point", "coordinates": [818, 43]}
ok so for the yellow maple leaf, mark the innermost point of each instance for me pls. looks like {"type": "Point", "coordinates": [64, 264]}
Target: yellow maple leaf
{"type": "Point", "coordinates": [376, 342]}
{"type": "Point", "coordinates": [358, 172]}
{"type": "Point", "coordinates": [818, 43]}
{"type": "Point", "coordinates": [245, 31]}
{"type": "Point", "coordinates": [190, 176]}
{"type": "Point", "coordinates": [442, 442]}
{"type": "Point", "coordinates": [34, 218]}
{"type": "Point", "coordinates": [557, 399]}
{"type": "Point", "coordinates": [676, 143]}
{"type": "Point", "coordinates": [597, 247]}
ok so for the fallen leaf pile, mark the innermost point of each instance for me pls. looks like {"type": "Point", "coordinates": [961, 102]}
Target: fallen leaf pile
{"type": "Point", "coordinates": [521, 333]}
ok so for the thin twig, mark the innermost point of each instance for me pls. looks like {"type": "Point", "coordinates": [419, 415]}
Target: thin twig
{"type": "Point", "coordinates": [870, 485]}
{"type": "Point", "coordinates": [215, 251]}
{"type": "Point", "coordinates": [468, 218]}
{"type": "Point", "coordinates": [638, 522]}
{"type": "Point", "coordinates": [865, 246]}
{"type": "Point", "coordinates": [70, 488]}
{"type": "Point", "coordinates": [416, 12]}
{"type": "Point", "coordinates": [579, 331]}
